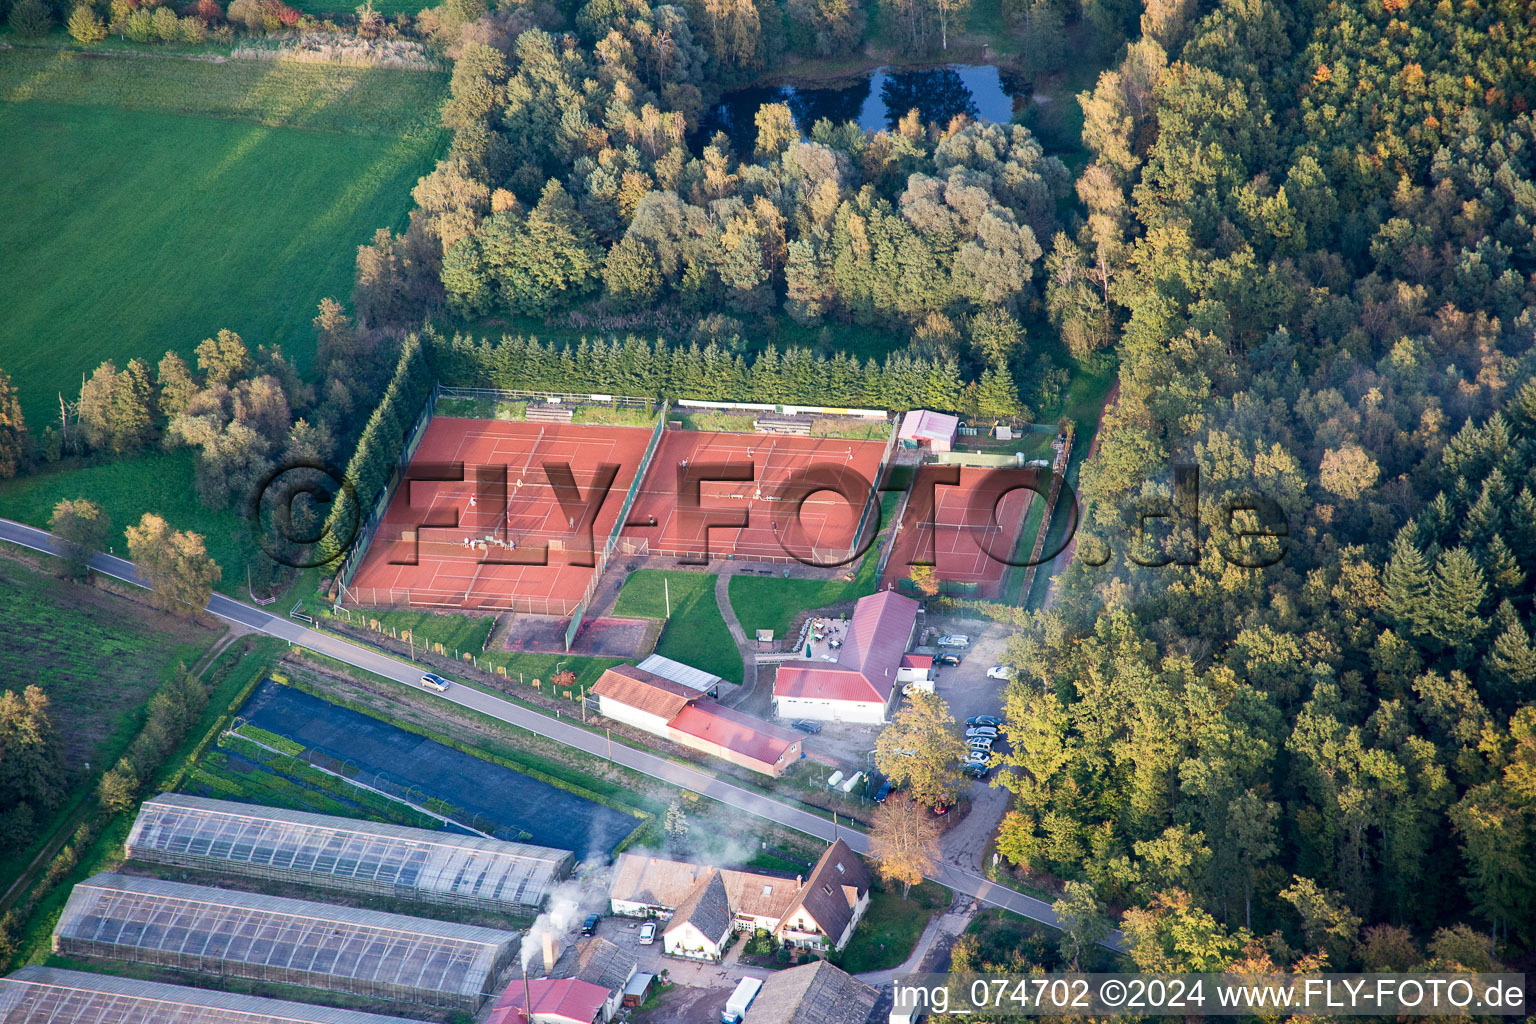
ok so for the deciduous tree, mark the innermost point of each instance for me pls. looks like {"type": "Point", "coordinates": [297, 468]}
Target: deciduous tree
{"type": "Point", "coordinates": [904, 841]}
{"type": "Point", "coordinates": [174, 563]}
{"type": "Point", "coordinates": [922, 749]}
{"type": "Point", "coordinates": [1083, 922]}
{"type": "Point", "coordinates": [13, 429]}
{"type": "Point", "coordinates": [83, 530]}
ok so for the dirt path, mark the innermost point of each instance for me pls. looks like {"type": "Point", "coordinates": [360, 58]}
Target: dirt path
{"type": "Point", "coordinates": [748, 653]}
{"type": "Point", "coordinates": [1065, 558]}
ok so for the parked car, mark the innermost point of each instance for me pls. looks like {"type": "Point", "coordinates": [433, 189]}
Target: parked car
{"type": "Point", "coordinates": [589, 926]}
{"type": "Point", "coordinates": [983, 731]}
{"type": "Point", "coordinates": [811, 728]}
{"type": "Point", "coordinates": [975, 769]}
{"type": "Point", "coordinates": [954, 640]}
{"type": "Point", "coordinates": [648, 933]}
{"type": "Point", "coordinates": [433, 681]}
{"type": "Point", "coordinates": [1000, 672]}
{"type": "Point", "coordinates": [946, 659]}
{"type": "Point", "coordinates": [991, 720]}
{"type": "Point", "coordinates": [883, 792]}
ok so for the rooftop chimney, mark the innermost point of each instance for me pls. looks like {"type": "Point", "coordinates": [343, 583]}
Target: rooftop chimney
{"type": "Point", "coordinates": [551, 951]}
{"type": "Point", "coordinates": [799, 882]}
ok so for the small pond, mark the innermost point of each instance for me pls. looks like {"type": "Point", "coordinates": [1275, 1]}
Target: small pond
{"type": "Point", "coordinates": [876, 100]}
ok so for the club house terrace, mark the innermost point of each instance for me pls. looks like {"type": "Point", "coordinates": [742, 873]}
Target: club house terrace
{"type": "Point", "coordinates": [701, 905]}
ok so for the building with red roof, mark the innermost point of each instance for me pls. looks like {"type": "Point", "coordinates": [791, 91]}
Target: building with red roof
{"type": "Point", "coordinates": [936, 430]}
{"type": "Point", "coordinates": [860, 684]}
{"type": "Point", "coordinates": [554, 1001]}
{"type": "Point", "coordinates": [688, 718]}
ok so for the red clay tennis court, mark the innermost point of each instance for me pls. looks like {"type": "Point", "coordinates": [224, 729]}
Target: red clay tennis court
{"type": "Point", "coordinates": [490, 528]}
{"type": "Point", "coordinates": [812, 521]}
{"type": "Point", "coordinates": [954, 527]}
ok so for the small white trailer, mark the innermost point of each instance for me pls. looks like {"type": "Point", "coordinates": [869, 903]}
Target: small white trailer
{"type": "Point", "coordinates": [736, 1006]}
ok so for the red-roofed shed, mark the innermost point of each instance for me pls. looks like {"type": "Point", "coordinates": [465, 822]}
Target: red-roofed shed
{"type": "Point", "coordinates": [732, 736]}
{"type": "Point", "coordinates": [555, 1001]}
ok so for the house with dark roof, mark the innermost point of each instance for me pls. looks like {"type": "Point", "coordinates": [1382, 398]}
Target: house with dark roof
{"type": "Point", "coordinates": [598, 962]}
{"type": "Point", "coordinates": [860, 686]}
{"type": "Point", "coordinates": [814, 993]}
{"type": "Point", "coordinates": [830, 903]}
{"type": "Point", "coordinates": [681, 712]}
{"type": "Point", "coordinates": [699, 926]}
{"type": "Point", "coordinates": [819, 911]}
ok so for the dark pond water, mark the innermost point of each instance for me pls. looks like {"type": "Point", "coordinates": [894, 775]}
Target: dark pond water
{"type": "Point", "coordinates": [877, 100]}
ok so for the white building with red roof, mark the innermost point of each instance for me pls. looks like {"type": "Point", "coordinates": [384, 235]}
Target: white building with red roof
{"type": "Point", "coordinates": [687, 717]}
{"type": "Point", "coordinates": [935, 430]}
{"type": "Point", "coordinates": [859, 686]}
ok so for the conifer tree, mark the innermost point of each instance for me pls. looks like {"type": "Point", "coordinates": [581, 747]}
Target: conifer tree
{"type": "Point", "coordinates": [1456, 599]}
{"type": "Point", "coordinates": [1405, 585]}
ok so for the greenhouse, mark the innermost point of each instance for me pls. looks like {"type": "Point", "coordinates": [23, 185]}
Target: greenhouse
{"type": "Point", "coordinates": [340, 853]}
{"type": "Point", "coordinates": [294, 942]}
{"type": "Point", "coordinates": [45, 995]}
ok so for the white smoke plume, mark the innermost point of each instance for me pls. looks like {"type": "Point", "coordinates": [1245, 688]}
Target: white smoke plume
{"type": "Point", "coordinates": [585, 892]}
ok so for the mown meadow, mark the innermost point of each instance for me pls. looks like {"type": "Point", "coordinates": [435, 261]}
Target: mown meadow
{"type": "Point", "coordinates": [148, 202]}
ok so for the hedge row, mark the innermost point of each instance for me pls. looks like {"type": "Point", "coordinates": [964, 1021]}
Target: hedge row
{"type": "Point", "coordinates": [637, 367]}
{"type": "Point", "coordinates": [381, 445]}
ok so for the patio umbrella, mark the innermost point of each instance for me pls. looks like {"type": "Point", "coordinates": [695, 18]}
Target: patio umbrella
{"type": "Point", "coordinates": [807, 648]}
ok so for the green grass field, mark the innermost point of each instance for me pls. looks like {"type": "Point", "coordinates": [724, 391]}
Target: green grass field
{"type": "Point", "coordinates": [696, 633]}
{"type": "Point", "coordinates": [159, 482]}
{"type": "Point", "coordinates": [147, 203]}
{"type": "Point", "coordinates": [97, 657]}
{"type": "Point", "coordinates": [891, 926]}
{"type": "Point", "coordinates": [454, 632]}
{"type": "Point", "coordinates": [771, 602]}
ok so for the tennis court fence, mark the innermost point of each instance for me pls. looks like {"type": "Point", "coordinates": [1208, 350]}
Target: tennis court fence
{"type": "Point", "coordinates": [370, 525]}
{"type": "Point", "coordinates": [422, 597]}
{"type": "Point", "coordinates": [548, 397]}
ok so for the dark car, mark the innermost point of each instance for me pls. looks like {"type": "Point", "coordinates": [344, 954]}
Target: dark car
{"type": "Point", "coordinates": [975, 770]}
{"type": "Point", "coordinates": [807, 727]}
{"type": "Point", "coordinates": [946, 659]}
{"type": "Point", "coordinates": [988, 720]}
{"type": "Point", "coordinates": [883, 792]}
{"type": "Point", "coordinates": [589, 926]}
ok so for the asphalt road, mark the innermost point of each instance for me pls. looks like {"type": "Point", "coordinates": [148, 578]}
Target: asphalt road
{"type": "Point", "coordinates": [958, 878]}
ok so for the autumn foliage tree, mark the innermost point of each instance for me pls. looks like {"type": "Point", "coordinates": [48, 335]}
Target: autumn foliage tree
{"type": "Point", "coordinates": [904, 840]}
{"type": "Point", "coordinates": [32, 776]}
{"type": "Point", "coordinates": [922, 750]}
{"type": "Point", "coordinates": [13, 429]}
{"type": "Point", "coordinates": [82, 530]}
{"type": "Point", "coordinates": [174, 563]}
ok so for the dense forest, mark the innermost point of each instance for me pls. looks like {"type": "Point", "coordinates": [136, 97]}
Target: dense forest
{"type": "Point", "coordinates": [1312, 229]}
{"type": "Point", "coordinates": [574, 190]}
{"type": "Point", "coordinates": [1308, 234]}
